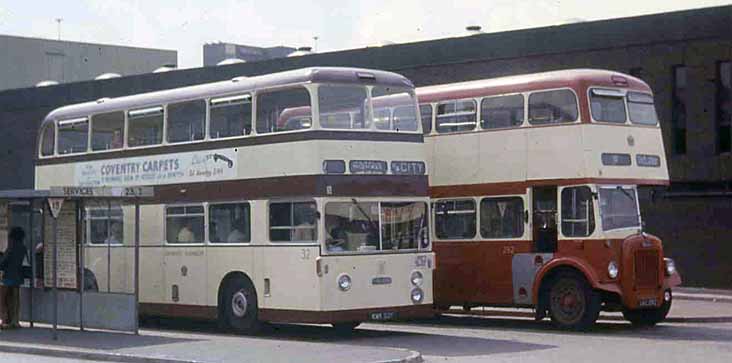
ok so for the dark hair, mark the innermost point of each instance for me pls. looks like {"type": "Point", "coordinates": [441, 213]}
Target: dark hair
{"type": "Point", "coordinates": [17, 234]}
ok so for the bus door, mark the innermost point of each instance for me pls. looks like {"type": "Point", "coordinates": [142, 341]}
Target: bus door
{"type": "Point", "coordinates": [544, 219]}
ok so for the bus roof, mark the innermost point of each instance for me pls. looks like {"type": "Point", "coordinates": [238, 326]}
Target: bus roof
{"type": "Point", "coordinates": [233, 86]}
{"type": "Point", "coordinates": [573, 78]}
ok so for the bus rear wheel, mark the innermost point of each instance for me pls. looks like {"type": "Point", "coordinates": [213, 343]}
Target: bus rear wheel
{"type": "Point", "coordinates": [239, 310]}
{"type": "Point", "coordinates": [345, 328]}
{"type": "Point", "coordinates": [573, 304]}
{"type": "Point", "coordinates": [650, 317]}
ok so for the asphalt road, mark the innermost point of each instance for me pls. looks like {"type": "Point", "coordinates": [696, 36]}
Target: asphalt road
{"type": "Point", "coordinates": [697, 332]}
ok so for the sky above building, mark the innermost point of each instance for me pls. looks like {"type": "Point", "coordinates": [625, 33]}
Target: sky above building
{"type": "Point", "coordinates": [185, 25]}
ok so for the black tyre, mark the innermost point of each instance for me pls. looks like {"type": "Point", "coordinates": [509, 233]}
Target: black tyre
{"type": "Point", "coordinates": [346, 328]}
{"type": "Point", "coordinates": [239, 309]}
{"type": "Point", "coordinates": [650, 317]}
{"type": "Point", "coordinates": [573, 304]}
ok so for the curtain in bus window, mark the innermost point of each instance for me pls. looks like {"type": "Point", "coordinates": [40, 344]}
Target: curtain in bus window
{"type": "Point", "coordinates": [396, 100]}
{"type": "Point", "coordinates": [502, 217]}
{"type": "Point", "coordinates": [48, 139]}
{"type": "Point", "coordinates": [578, 217]}
{"type": "Point", "coordinates": [73, 136]}
{"type": "Point", "coordinates": [145, 127]}
{"type": "Point", "coordinates": [502, 112]}
{"type": "Point", "coordinates": [455, 219]}
{"type": "Point", "coordinates": [552, 107]}
{"type": "Point", "coordinates": [426, 113]}
{"type": "Point", "coordinates": [107, 131]}
{"type": "Point", "coordinates": [641, 109]}
{"type": "Point", "coordinates": [295, 222]}
{"type": "Point", "coordinates": [343, 107]}
{"type": "Point", "coordinates": [186, 121]}
{"type": "Point", "coordinates": [607, 106]}
{"type": "Point", "coordinates": [456, 116]}
{"type": "Point", "coordinates": [285, 110]}
{"type": "Point", "coordinates": [184, 224]}
{"type": "Point", "coordinates": [229, 223]}
{"type": "Point", "coordinates": [230, 116]}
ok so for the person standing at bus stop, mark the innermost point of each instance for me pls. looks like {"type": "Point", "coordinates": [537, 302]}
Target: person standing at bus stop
{"type": "Point", "coordinates": [11, 265]}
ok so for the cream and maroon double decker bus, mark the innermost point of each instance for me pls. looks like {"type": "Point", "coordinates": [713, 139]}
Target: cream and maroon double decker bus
{"type": "Point", "coordinates": [278, 198]}
{"type": "Point", "coordinates": [534, 180]}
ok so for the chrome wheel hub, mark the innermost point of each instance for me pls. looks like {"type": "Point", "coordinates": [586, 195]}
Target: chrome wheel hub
{"type": "Point", "coordinates": [239, 304]}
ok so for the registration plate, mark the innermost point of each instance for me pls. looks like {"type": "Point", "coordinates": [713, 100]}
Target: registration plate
{"type": "Point", "coordinates": [384, 315]}
{"type": "Point", "coordinates": [648, 302]}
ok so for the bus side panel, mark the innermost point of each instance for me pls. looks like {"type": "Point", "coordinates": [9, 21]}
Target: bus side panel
{"type": "Point", "coordinates": [502, 157]}
{"type": "Point", "coordinates": [454, 156]}
{"type": "Point", "coordinates": [555, 152]}
{"type": "Point", "coordinates": [293, 280]}
{"type": "Point", "coordinates": [225, 260]}
{"type": "Point", "coordinates": [54, 175]}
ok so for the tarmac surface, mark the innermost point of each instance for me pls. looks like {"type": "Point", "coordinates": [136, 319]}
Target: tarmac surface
{"type": "Point", "coordinates": [697, 330]}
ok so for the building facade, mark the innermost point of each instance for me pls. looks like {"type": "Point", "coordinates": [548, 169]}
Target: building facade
{"type": "Point", "coordinates": [684, 56]}
{"type": "Point", "coordinates": [24, 62]}
{"type": "Point", "coordinates": [216, 52]}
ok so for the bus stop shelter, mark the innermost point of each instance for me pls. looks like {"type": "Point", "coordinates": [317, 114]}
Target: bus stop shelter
{"type": "Point", "coordinates": [57, 289]}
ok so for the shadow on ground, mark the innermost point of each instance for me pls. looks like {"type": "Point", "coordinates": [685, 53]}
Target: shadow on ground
{"type": "Point", "coordinates": [425, 343]}
{"type": "Point", "coordinates": [96, 340]}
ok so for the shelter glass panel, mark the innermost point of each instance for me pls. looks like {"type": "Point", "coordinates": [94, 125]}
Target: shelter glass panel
{"type": "Point", "coordinates": [283, 110]}
{"type": "Point", "coordinates": [186, 121]}
{"type": "Point", "coordinates": [502, 112]}
{"type": "Point", "coordinates": [108, 131]}
{"type": "Point", "coordinates": [104, 225]}
{"type": "Point", "coordinates": [552, 107]}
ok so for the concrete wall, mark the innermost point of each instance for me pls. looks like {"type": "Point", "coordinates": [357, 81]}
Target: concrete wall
{"type": "Point", "coordinates": [27, 61]}
{"type": "Point", "coordinates": [695, 230]}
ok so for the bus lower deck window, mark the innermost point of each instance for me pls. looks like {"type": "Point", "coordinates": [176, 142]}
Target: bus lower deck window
{"type": "Point", "coordinates": [292, 221]}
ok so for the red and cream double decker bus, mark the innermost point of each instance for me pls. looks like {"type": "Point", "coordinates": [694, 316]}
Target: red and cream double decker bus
{"type": "Point", "coordinates": [279, 198]}
{"type": "Point", "coordinates": [533, 180]}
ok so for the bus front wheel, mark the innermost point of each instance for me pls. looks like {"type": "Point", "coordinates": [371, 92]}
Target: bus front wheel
{"type": "Point", "coordinates": [573, 304]}
{"type": "Point", "coordinates": [240, 308]}
{"type": "Point", "coordinates": [650, 317]}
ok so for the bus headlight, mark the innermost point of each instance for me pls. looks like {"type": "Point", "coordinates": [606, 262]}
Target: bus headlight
{"type": "Point", "coordinates": [612, 269]}
{"type": "Point", "coordinates": [416, 278]}
{"type": "Point", "coordinates": [344, 282]}
{"type": "Point", "coordinates": [417, 295]}
{"type": "Point", "coordinates": [670, 266]}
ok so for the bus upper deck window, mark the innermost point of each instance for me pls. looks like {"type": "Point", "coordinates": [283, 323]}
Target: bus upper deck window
{"type": "Point", "coordinates": [551, 107]}
{"type": "Point", "coordinates": [343, 107]}
{"type": "Point", "coordinates": [401, 101]}
{"type": "Point", "coordinates": [607, 105]}
{"type": "Point", "coordinates": [73, 135]}
{"type": "Point", "coordinates": [230, 116]}
{"type": "Point", "coordinates": [425, 111]}
{"type": "Point", "coordinates": [502, 112]}
{"type": "Point", "coordinates": [456, 116]}
{"type": "Point", "coordinates": [641, 109]}
{"type": "Point", "coordinates": [186, 121]}
{"type": "Point", "coordinates": [145, 126]}
{"type": "Point", "coordinates": [107, 131]}
{"type": "Point", "coordinates": [48, 139]}
{"type": "Point", "coordinates": [283, 110]}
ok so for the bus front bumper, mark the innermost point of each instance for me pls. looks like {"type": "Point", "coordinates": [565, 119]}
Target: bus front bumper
{"type": "Point", "coordinates": [340, 316]}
